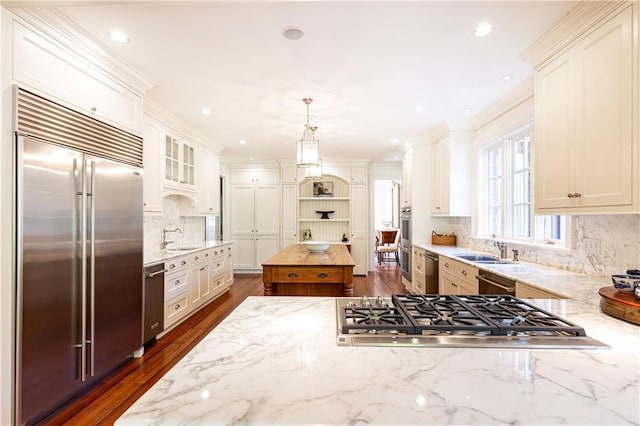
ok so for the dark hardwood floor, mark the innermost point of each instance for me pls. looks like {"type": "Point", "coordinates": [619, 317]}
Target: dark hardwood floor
{"type": "Point", "coordinates": [114, 394]}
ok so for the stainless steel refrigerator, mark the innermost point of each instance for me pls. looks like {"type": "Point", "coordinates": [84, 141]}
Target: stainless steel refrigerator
{"type": "Point", "coordinates": [79, 268]}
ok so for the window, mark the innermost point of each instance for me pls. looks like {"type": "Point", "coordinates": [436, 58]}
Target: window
{"type": "Point", "coordinates": [506, 209]}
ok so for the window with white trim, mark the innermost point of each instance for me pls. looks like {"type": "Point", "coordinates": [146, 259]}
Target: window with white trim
{"type": "Point", "coordinates": [506, 208]}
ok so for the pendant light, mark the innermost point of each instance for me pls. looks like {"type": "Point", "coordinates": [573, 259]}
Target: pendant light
{"type": "Point", "coordinates": [313, 172]}
{"type": "Point", "coordinates": [308, 147]}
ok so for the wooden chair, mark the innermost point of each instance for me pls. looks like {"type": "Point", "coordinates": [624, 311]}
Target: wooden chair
{"type": "Point", "coordinates": [387, 243]}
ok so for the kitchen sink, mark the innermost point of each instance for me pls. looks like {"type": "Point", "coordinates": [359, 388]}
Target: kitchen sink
{"type": "Point", "coordinates": [481, 258]}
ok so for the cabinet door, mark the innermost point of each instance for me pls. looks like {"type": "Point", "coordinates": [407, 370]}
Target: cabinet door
{"type": "Point", "coordinates": [266, 176]}
{"type": "Point", "coordinates": [436, 177]}
{"type": "Point", "coordinates": [266, 247]}
{"type": "Point", "coordinates": [171, 160]}
{"type": "Point", "coordinates": [152, 186]}
{"type": "Point", "coordinates": [407, 171]}
{"type": "Point", "coordinates": [555, 157]}
{"type": "Point", "coordinates": [267, 210]}
{"type": "Point", "coordinates": [208, 182]}
{"type": "Point", "coordinates": [358, 175]}
{"type": "Point", "coordinates": [289, 174]}
{"type": "Point", "coordinates": [447, 286]}
{"type": "Point", "coordinates": [289, 215]}
{"type": "Point", "coordinates": [359, 228]}
{"type": "Point", "coordinates": [606, 115]}
{"type": "Point", "coordinates": [241, 211]}
{"type": "Point", "coordinates": [465, 287]}
{"type": "Point", "coordinates": [243, 248]}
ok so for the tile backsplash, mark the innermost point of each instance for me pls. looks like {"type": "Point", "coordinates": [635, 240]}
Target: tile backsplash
{"type": "Point", "coordinates": [192, 229]}
{"type": "Point", "coordinates": [619, 237]}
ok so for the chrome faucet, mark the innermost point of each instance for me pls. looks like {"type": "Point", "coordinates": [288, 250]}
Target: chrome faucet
{"type": "Point", "coordinates": [503, 249]}
{"type": "Point", "coordinates": [165, 243]}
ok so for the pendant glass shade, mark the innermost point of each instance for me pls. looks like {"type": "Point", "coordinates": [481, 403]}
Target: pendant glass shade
{"type": "Point", "coordinates": [308, 147]}
{"type": "Point", "coordinates": [313, 172]}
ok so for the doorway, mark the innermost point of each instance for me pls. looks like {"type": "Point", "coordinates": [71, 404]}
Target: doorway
{"type": "Point", "coordinates": [386, 213]}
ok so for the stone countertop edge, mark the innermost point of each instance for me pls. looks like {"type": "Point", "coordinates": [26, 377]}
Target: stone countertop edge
{"type": "Point", "coordinates": [163, 256]}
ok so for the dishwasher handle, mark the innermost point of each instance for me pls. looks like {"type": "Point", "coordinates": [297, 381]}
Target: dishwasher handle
{"type": "Point", "coordinates": [434, 258]}
{"type": "Point", "coordinates": [483, 278]}
{"type": "Point", "coordinates": [153, 274]}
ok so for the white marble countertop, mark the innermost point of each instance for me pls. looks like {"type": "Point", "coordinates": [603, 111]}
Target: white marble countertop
{"type": "Point", "coordinates": [564, 283]}
{"type": "Point", "coordinates": [160, 255]}
{"type": "Point", "coordinates": [274, 360]}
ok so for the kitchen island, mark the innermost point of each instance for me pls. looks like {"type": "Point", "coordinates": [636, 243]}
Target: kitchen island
{"type": "Point", "coordinates": [275, 361]}
{"type": "Point", "coordinates": [297, 272]}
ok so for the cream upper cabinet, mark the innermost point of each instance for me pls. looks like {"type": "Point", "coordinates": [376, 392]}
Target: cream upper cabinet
{"type": "Point", "coordinates": [255, 175]}
{"type": "Point", "coordinates": [289, 214]}
{"type": "Point", "coordinates": [359, 207]}
{"type": "Point", "coordinates": [180, 164]}
{"type": "Point", "coordinates": [208, 182]}
{"type": "Point", "coordinates": [451, 175]}
{"type": "Point", "coordinates": [289, 174]}
{"type": "Point", "coordinates": [586, 145]}
{"type": "Point", "coordinates": [48, 67]}
{"type": "Point", "coordinates": [358, 175]}
{"type": "Point", "coordinates": [151, 184]}
{"type": "Point", "coordinates": [407, 171]}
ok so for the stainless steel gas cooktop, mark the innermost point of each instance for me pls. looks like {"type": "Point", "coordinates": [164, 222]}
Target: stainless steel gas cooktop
{"type": "Point", "coordinates": [474, 321]}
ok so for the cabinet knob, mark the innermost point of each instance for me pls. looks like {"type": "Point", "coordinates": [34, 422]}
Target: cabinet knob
{"type": "Point", "coordinates": [184, 262]}
{"type": "Point", "coordinates": [577, 195]}
{"type": "Point", "coordinates": [322, 275]}
{"type": "Point", "coordinates": [177, 282]}
{"type": "Point", "coordinates": [177, 306]}
{"type": "Point", "coordinates": [202, 269]}
{"type": "Point", "coordinates": [570, 195]}
{"type": "Point", "coordinates": [446, 265]}
{"type": "Point", "coordinates": [94, 109]}
{"type": "Point", "coordinates": [196, 258]}
{"type": "Point", "coordinates": [293, 275]}
{"type": "Point", "coordinates": [464, 272]}
{"type": "Point", "coordinates": [172, 266]}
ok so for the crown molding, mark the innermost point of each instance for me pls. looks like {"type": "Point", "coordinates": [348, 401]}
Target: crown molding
{"type": "Point", "coordinates": [565, 33]}
{"type": "Point", "coordinates": [517, 96]}
{"type": "Point", "coordinates": [57, 26]}
{"type": "Point", "coordinates": [157, 112]}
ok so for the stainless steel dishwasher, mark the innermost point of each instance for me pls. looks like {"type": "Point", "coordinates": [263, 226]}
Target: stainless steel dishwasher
{"type": "Point", "coordinates": [431, 269]}
{"type": "Point", "coordinates": [489, 283]}
{"type": "Point", "coordinates": [153, 308]}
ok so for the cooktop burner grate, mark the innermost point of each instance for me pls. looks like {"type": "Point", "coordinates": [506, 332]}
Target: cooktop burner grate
{"type": "Point", "coordinates": [435, 314]}
{"type": "Point", "coordinates": [515, 316]}
{"type": "Point", "coordinates": [374, 317]}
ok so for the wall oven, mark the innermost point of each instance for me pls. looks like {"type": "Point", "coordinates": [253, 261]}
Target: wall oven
{"type": "Point", "coordinates": [405, 242]}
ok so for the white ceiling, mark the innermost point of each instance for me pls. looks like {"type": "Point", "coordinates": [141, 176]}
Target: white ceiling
{"type": "Point", "coordinates": [366, 65]}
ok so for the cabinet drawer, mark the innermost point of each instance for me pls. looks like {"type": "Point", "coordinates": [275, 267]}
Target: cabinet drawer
{"type": "Point", "coordinates": [176, 284]}
{"type": "Point", "coordinates": [458, 269]}
{"type": "Point", "coordinates": [217, 265]}
{"type": "Point", "coordinates": [308, 275]}
{"type": "Point", "coordinates": [176, 309]}
{"type": "Point", "coordinates": [218, 284]}
{"type": "Point", "coordinates": [177, 263]}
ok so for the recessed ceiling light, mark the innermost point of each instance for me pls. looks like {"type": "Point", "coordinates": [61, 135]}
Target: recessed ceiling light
{"type": "Point", "coordinates": [394, 140]}
{"type": "Point", "coordinates": [482, 30]}
{"type": "Point", "coordinates": [250, 158]}
{"type": "Point", "coordinates": [206, 111]}
{"type": "Point", "coordinates": [396, 157]}
{"type": "Point", "coordinates": [292, 33]}
{"type": "Point", "coordinates": [419, 108]}
{"type": "Point", "coordinates": [466, 109]}
{"type": "Point", "coordinates": [507, 77]}
{"type": "Point", "coordinates": [243, 142]}
{"type": "Point", "coordinates": [119, 36]}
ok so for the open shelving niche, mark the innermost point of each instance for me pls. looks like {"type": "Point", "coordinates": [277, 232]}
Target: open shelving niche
{"type": "Point", "coordinates": [330, 229]}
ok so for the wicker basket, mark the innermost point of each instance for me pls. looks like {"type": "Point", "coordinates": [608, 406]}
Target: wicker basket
{"type": "Point", "coordinates": [443, 240]}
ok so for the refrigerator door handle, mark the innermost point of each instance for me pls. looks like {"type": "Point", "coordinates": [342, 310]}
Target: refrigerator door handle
{"type": "Point", "coordinates": [92, 274]}
{"type": "Point", "coordinates": [83, 236]}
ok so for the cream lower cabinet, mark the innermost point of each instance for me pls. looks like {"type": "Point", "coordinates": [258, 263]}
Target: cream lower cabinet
{"type": "Point", "coordinates": [526, 291]}
{"type": "Point", "coordinates": [586, 144]}
{"type": "Point", "coordinates": [359, 229]}
{"type": "Point", "coordinates": [418, 277]}
{"type": "Point", "coordinates": [193, 280]}
{"type": "Point", "coordinates": [457, 277]}
{"type": "Point", "coordinates": [255, 224]}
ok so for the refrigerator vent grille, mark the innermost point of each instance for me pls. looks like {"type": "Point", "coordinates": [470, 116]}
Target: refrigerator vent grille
{"type": "Point", "coordinates": [41, 118]}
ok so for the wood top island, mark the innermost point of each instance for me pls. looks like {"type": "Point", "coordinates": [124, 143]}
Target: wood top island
{"type": "Point", "coordinates": [297, 272]}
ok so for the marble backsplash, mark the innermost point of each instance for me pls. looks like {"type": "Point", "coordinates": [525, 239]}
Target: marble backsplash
{"type": "Point", "coordinates": [192, 229]}
{"type": "Point", "coordinates": [619, 237]}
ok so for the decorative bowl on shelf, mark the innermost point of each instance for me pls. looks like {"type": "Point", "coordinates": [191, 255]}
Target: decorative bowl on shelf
{"type": "Point", "coordinates": [325, 213]}
{"type": "Point", "coordinates": [316, 246]}
{"type": "Point", "coordinates": [626, 282]}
